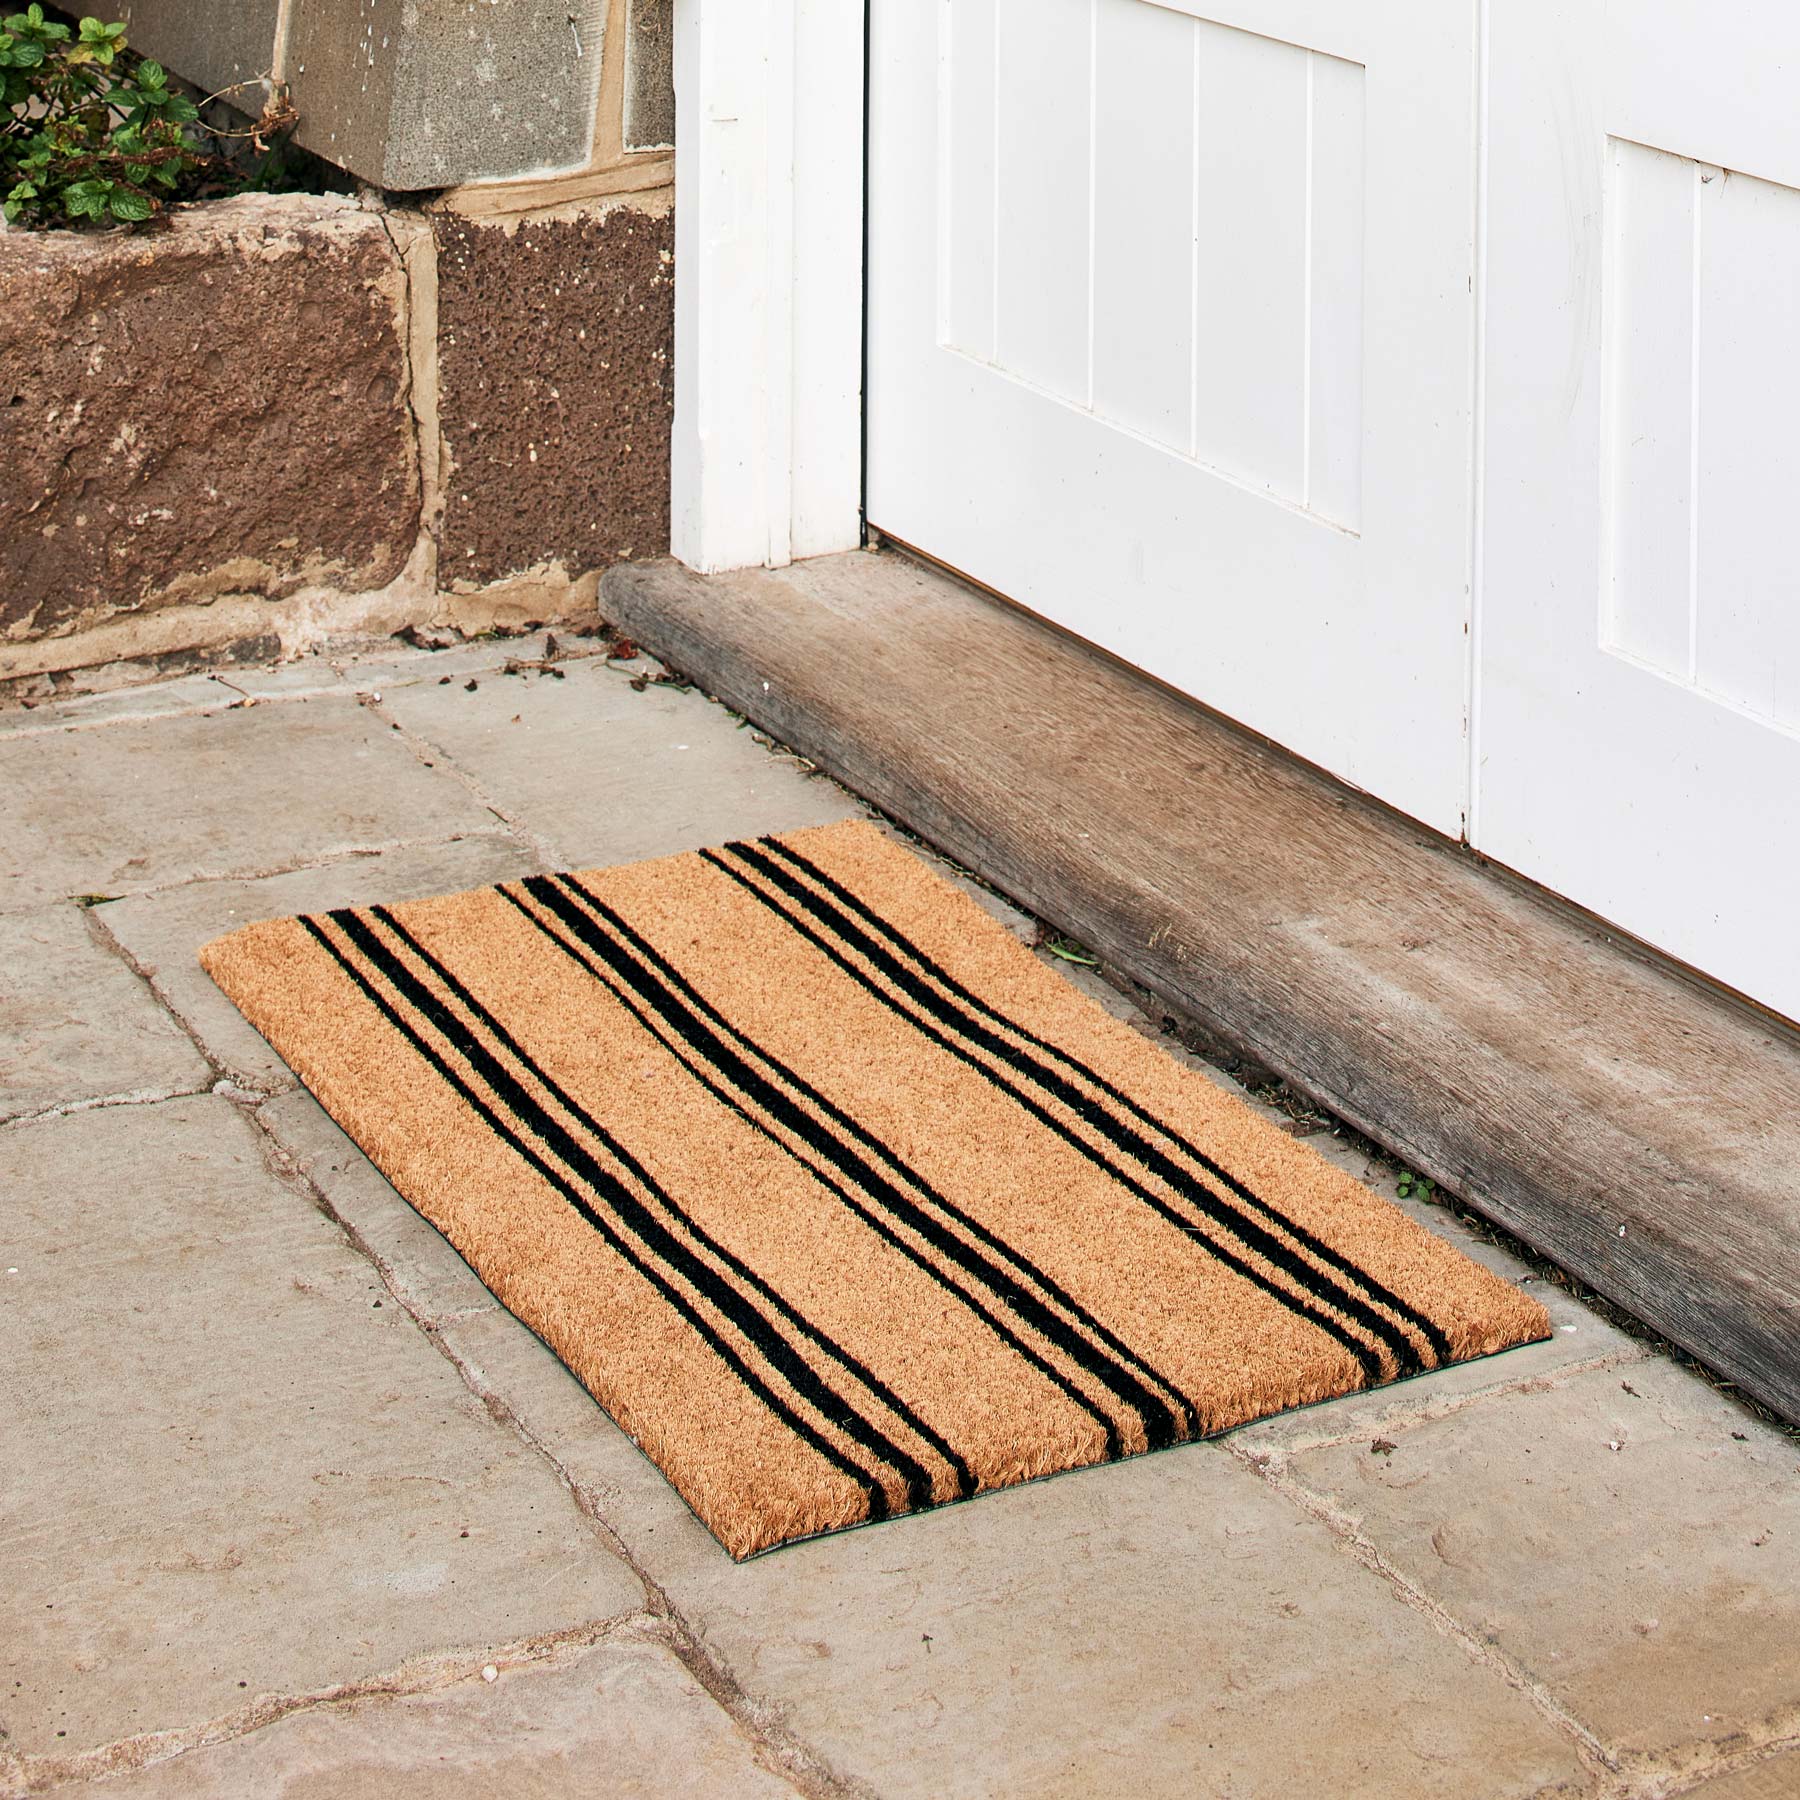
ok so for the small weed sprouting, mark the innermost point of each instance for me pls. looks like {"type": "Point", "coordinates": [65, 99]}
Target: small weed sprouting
{"type": "Point", "coordinates": [84, 140]}
{"type": "Point", "coordinates": [92, 135]}
{"type": "Point", "coordinates": [1415, 1187]}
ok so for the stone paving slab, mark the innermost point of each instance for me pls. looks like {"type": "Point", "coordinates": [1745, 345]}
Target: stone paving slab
{"type": "Point", "coordinates": [145, 804]}
{"type": "Point", "coordinates": [382, 673]}
{"type": "Point", "coordinates": [1164, 1626]}
{"type": "Point", "coordinates": [421, 1265]}
{"type": "Point", "coordinates": [1776, 1779]}
{"type": "Point", "coordinates": [279, 1499]}
{"type": "Point", "coordinates": [163, 932]}
{"type": "Point", "coordinates": [76, 1024]}
{"type": "Point", "coordinates": [209, 693]}
{"type": "Point", "coordinates": [603, 774]}
{"type": "Point", "coordinates": [234, 1465]}
{"type": "Point", "coordinates": [1630, 1536]}
{"type": "Point", "coordinates": [621, 1721]}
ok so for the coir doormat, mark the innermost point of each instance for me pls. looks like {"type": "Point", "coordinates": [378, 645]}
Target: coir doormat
{"type": "Point", "coordinates": [840, 1202]}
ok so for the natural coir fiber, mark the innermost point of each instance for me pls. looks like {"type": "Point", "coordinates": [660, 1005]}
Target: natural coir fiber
{"type": "Point", "coordinates": [839, 1201]}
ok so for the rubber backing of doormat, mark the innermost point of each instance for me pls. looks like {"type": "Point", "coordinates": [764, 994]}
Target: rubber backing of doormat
{"type": "Point", "coordinates": [835, 1198]}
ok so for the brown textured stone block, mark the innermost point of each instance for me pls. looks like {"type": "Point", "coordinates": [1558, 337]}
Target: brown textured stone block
{"type": "Point", "coordinates": [219, 407]}
{"type": "Point", "coordinates": [554, 348]}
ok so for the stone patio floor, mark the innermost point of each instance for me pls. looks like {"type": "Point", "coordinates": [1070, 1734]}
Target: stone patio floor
{"type": "Point", "coordinates": [292, 1507]}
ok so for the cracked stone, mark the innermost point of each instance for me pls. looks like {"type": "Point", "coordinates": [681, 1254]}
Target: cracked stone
{"type": "Point", "coordinates": [1630, 1583]}
{"type": "Point", "coordinates": [425, 1269]}
{"type": "Point", "coordinates": [164, 931]}
{"type": "Point", "coordinates": [209, 693]}
{"type": "Point", "coordinates": [1776, 1779]}
{"type": "Point", "coordinates": [140, 805]}
{"type": "Point", "coordinates": [615, 1722]}
{"type": "Point", "coordinates": [76, 1023]}
{"type": "Point", "coordinates": [283, 1504]}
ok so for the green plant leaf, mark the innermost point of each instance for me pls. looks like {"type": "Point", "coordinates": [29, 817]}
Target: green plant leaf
{"type": "Point", "coordinates": [84, 140]}
{"type": "Point", "coordinates": [31, 23]}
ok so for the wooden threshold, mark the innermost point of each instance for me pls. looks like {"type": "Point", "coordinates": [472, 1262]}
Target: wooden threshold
{"type": "Point", "coordinates": [1636, 1127]}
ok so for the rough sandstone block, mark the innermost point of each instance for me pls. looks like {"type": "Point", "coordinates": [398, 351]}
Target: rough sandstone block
{"type": "Point", "coordinates": [554, 370]}
{"type": "Point", "coordinates": [219, 407]}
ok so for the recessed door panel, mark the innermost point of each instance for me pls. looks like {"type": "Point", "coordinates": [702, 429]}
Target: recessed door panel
{"type": "Point", "coordinates": [1170, 333]}
{"type": "Point", "coordinates": [1638, 723]}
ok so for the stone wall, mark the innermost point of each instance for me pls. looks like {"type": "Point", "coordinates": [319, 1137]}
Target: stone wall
{"type": "Point", "coordinates": [436, 93]}
{"type": "Point", "coordinates": [279, 420]}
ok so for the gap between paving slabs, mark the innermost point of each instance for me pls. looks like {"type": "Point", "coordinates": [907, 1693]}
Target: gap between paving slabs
{"type": "Point", "coordinates": [298, 1136]}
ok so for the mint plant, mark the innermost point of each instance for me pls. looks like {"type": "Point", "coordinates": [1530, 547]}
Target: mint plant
{"type": "Point", "coordinates": [85, 139]}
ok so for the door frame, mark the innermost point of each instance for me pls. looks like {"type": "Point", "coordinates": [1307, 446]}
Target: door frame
{"type": "Point", "coordinates": [766, 460]}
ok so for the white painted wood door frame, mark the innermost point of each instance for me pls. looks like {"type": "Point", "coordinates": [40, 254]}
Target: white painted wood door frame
{"type": "Point", "coordinates": [767, 450]}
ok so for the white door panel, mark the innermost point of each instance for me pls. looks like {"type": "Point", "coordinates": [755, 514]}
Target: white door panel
{"type": "Point", "coordinates": [1638, 727]}
{"type": "Point", "coordinates": [1170, 338]}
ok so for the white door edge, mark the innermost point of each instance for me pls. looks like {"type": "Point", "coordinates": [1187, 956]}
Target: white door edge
{"type": "Point", "coordinates": [766, 454]}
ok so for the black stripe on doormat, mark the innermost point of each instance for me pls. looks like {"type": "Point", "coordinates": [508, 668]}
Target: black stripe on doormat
{"type": "Point", "coordinates": [659, 1255]}
{"type": "Point", "coordinates": [1378, 1292]}
{"type": "Point", "coordinates": [697, 1033]}
{"type": "Point", "coordinates": [735, 1266]}
{"type": "Point", "coordinates": [1318, 1291]}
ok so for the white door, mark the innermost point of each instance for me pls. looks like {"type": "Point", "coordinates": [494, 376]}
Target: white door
{"type": "Point", "coordinates": [1638, 705]}
{"type": "Point", "coordinates": [1171, 340]}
